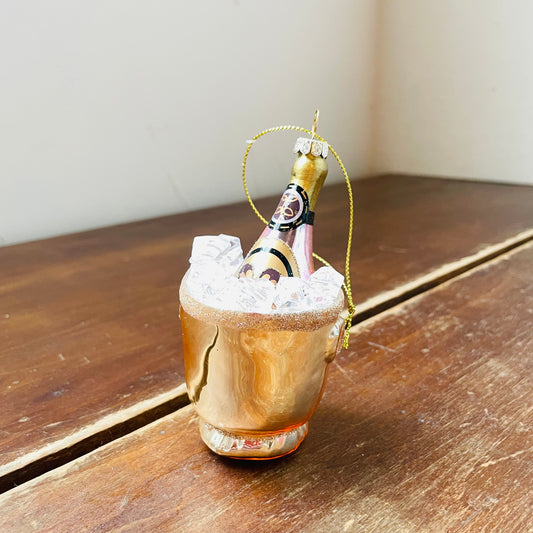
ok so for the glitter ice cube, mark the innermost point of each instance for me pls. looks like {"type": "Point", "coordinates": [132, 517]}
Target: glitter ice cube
{"type": "Point", "coordinates": [290, 294]}
{"type": "Point", "coordinates": [205, 278]}
{"type": "Point", "coordinates": [255, 295]}
{"type": "Point", "coordinates": [328, 275]}
{"type": "Point", "coordinates": [324, 286]}
{"type": "Point", "coordinates": [224, 249]}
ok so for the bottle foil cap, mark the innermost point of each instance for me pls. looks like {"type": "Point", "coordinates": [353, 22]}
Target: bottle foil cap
{"type": "Point", "coordinates": [313, 146]}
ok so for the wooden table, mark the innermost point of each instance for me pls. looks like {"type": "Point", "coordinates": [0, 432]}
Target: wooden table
{"type": "Point", "coordinates": [426, 420]}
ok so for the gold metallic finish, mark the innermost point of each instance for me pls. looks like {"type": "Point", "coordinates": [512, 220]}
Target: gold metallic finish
{"type": "Point", "coordinates": [258, 375]}
{"type": "Point", "coordinates": [310, 172]}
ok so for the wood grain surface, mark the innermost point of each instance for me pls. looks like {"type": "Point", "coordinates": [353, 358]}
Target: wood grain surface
{"type": "Point", "coordinates": [89, 336]}
{"type": "Point", "coordinates": [425, 427]}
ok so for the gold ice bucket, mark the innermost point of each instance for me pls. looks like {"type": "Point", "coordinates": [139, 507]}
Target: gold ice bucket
{"type": "Point", "coordinates": [256, 379]}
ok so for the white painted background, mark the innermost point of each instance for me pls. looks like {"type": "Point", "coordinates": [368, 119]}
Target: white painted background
{"type": "Point", "coordinates": [116, 110]}
{"type": "Point", "coordinates": [119, 110]}
{"type": "Point", "coordinates": [455, 88]}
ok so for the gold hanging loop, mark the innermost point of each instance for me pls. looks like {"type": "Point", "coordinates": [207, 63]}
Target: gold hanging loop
{"type": "Point", "coordinates": [315, 123]}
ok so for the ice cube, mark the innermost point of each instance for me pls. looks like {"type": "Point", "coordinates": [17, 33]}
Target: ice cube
{"type": "Point", "coordinates": [290, 294]}
{"type": "Point", "coordinates": [255, 295]}
{"type": "Point", "coordinates": [324, 286]}
{"type": "Point", "coordinates": [205, 278]}
{"type": "Point", "coordinates": [327, 274]}
{"type": "Point", "coordinates": [224, 249]}
{"type": "Point", "coordinates": [224, 295]}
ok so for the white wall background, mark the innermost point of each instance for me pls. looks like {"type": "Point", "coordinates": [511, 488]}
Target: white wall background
{"type": "Point", "coordinates": [119, 110]}
{"type": "Point", "coordinates": [455, 88]}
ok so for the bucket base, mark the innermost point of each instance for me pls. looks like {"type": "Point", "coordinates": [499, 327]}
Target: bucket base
{"type": "Point", "coordinates": [252, 446]}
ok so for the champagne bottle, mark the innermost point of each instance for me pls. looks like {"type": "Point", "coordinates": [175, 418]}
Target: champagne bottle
{"type": "Point", "coordinates": [285, 248]}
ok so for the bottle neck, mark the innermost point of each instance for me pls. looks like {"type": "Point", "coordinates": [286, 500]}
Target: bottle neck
{"type": "Point", "coordinates": [297, 205]}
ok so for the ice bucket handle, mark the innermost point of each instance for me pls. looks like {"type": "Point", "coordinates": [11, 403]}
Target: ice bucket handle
{"type": "Point", "coordinates": [336, 337]}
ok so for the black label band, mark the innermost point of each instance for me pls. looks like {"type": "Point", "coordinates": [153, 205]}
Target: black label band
{"type": "Point", "coordinates": [292, 210]}
{"type": "Point", "coordinates": [310, 218]}
{"type": "Point", "coordinates": [279, 255]}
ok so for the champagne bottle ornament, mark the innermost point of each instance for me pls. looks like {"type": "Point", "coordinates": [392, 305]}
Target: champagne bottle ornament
{"type": "Point", "coordinates": [286, 245]}
{"type": "Point", "coordinates": [259, 332]}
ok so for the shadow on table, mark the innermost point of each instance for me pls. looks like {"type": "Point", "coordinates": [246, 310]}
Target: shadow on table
{"type": "Point", "coordinates": [345, 449]}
